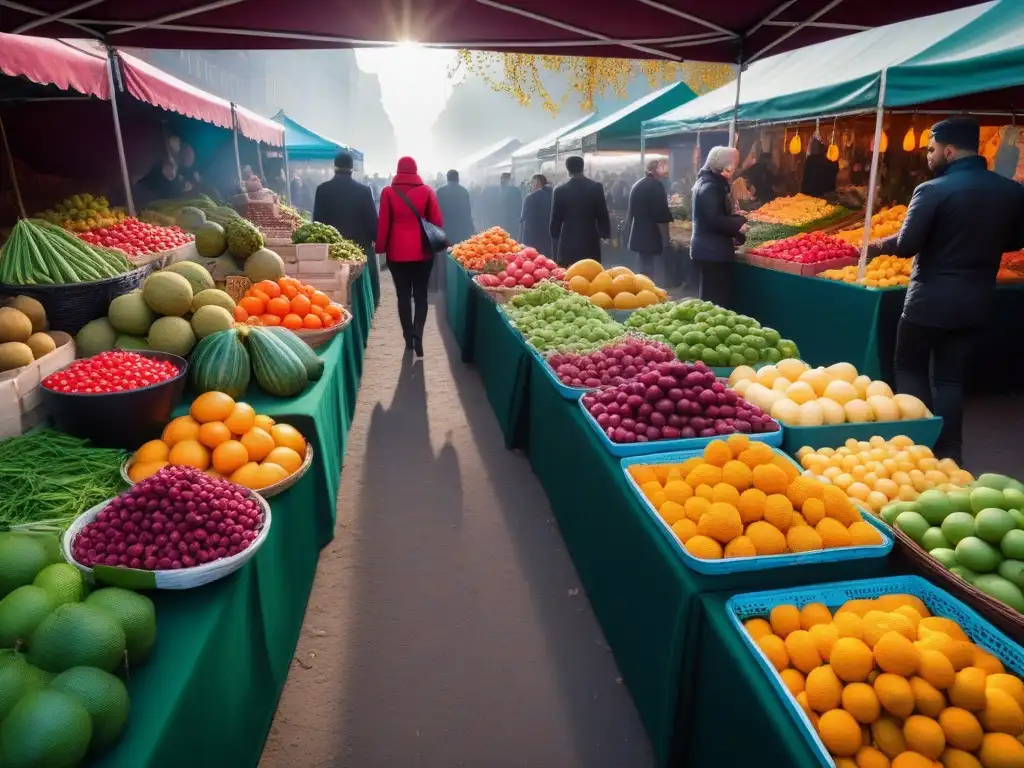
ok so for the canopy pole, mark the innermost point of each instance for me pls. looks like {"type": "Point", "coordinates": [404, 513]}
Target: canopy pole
{"type": "Point", "coordinates": [287, 177]}
{"type": "Point", "coordinates": [238, 157]}
{"type": "Point", "coordinates": [259, 162]}
{"type": "Point", "coordinates": [554, 171]}
{"type": "Point", "coordinates": [873, 176]}
{"type": "Point", "coordinates": [736, 106]}
{"type": "Point", "coordinates": [10, 165]}
{"type": "Point", "coordinates": [643, 148]}
{"type": "Point", "coordinates": [125, 178]}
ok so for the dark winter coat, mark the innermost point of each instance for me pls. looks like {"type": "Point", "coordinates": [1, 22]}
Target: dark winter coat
{"type": "Point", "coordinates": [458, 215]}
{"type": "Point", "coordinates": [648, 212]}
{"type": "Point", "coordinates": [347, 206]}
{"type": "Point", "coordinates": [819, 176]}
{"type": "Point", "coordinates": [579, 220]}
{"type": "Point", "coordinates": [958, 226]}
{"type": "Point", "coordinates": [511, 209]}
{"type": "Point", "coordinates": [536, 220]}
{"type": "Point", "coordinates": [400, 234]}
{"type": "Point", "coordinates": [716, 229]}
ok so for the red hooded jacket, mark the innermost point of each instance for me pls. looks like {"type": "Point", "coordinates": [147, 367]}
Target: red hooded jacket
{"type": "Point", "coordinates": [399, 234]}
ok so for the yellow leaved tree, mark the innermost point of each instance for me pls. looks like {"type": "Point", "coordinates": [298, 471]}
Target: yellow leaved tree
{"type": "Point", "coordinates": [521, 75]}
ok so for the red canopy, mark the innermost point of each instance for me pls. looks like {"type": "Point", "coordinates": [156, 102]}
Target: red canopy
{"type": "Point", "coordinates": [699, 30]}
{"type": "Point", "coordinates": [51, 62]}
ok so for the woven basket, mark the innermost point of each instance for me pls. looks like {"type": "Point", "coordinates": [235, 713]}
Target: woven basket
{"type": "Point", "coordinates": [318, 339]}
{"type": "Point", "coordinates": [501, 295]}
{"type": "Point", "coordinates": [999, 613]}
{"type": "Point", "coordinates": [355, 269]}
{"type": "Point", "coordinates": [185, 578]}
{"type": "Point", "coordinates": [69, 307]}
{"type": "Point", "coordinates": [235, 286]}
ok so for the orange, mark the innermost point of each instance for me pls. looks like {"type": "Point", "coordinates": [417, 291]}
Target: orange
{"type": "Point", "coordinates": [286, 458]}
{"type": "Point", "coordinates": [241, 419]}
{"type": "Point", "coordinates": [181, 428]}
{"type": "Point", "coordinates": [289, 292]}
{"type": "Point", "coordinates": [257, 293]}
{"type": "Point", "coordinates": [252, 305]}
{"type": "Point", "coordinates": [140, 470]}
{"type": "Point", "coordinates": [263, 422]}
{"type": "Point", "coordinates": [333, 310]}
{"type": "Point", "coordinates": [246, 475]}
{"type": "Point", "coordinates": [312, 322]}
{"type": "Point", "coordinates": [268, 474]}
{"type": "Point", "coordinates": [212, 406]}
{"type": "Point", "coordinates": [258, 443]}
{"type": "Point", "coordinates": [190, 453]}
{"type": "Point", "coordinates": [213, 433]}
{"type": "Point", "coordinates": [154, 450]}
{"type": "Point", "coordinates": [269, 287]}
{"type": "Point", "coordinates": [241, 314]}
{"type": "Point", "coordinates": [292, 322]}
{"type": "Point", "coordinates": [269, 319]}
{"type": "Point", "coordinates": [229, 456]}
{"type": "Point", "coordinates": [301, 305]}
{"type": "Point", "coordinates": [320, 299]}
{"type": "Point", "coordinates": [289, 437]}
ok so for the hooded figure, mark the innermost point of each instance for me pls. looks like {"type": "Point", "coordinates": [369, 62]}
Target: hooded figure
{"type": "Point", "coordinates": [400, 236]}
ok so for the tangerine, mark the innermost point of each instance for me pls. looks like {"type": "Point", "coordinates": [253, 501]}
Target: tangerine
{"type": "Point", "coordinates": [229, 456]}
{"type": "Point", "coordinates": [292, 322]}
{"type": "Point", "coordinates": [279, 306]}
{"type": "Point", "coordinates": [289, 437]}
{"type": "Point", "coordinates": [213, 433]}
{"type": "Point", "coordinates": [269, 319]}
{"type": "Point", "coordinates": [286, 458]}
{"type": "Point", "coordinates": [190, 453]}
{"type": "Point", "coordinates": [258, 443]}
{"type": "Point", "coordinates": [269, 473]}
{"type": "Point", "coordinates": [269, 287]}
{"type": "Point", "coordinates": [252, 305]}
{"type": "Point", "coordinates": [300, 305]}
{"type": "Point", "coordinates": [154, 450]}
{"type": "Point", "coordinates": [263, 422]}
{"type": "Point", "coordinates": [241, 314]}
{"type": "Point", "coordinates": [241, 419]}
{"type": "Point", "coordinates": [181, 428]}
{"type": "Point", "coordinates": [312, 322]}
{"type": "Point", "coordinates": [320, 299]}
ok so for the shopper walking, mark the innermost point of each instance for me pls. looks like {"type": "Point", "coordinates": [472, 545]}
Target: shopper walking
{"type": "Point", "coordinates": [579, 216]}
{"type": "Point", "coordinates": [400, 236]}
{"type": "Point", "coordinates": [717, 229]}
{"type": "Point", "coordinates": [347, 205]}
{"type": "Point", "coordinates": [648, 217]}
{"type": "Point", "coordinates": [456, 209]}
{"type": "Point", "coordinates": [957, 226]}
{"type": "Point", "coordinates": [536, 216]}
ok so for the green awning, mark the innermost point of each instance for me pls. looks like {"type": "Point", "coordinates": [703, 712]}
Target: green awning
{"type": "Point", "coordinates": [305, 144]}
{"type": "Point", "coordinates": [843, 76]}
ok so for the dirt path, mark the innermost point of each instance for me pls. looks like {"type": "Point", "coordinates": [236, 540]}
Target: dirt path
{"type": "Point", "coordinates": [447, 626]}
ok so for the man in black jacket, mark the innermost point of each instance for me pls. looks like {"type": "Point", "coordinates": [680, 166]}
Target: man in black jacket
{"type": "Point", "coordinates": [455, 209]}
{"type": "Point", "coordinates": [579, 216]}
{"type": "Point", "coordinates": [536, 216]}
{"type": "Point", "coordinates": [511, 205]}
{"type": "Point", "coordinates": [347, 205]}
{"type": "Point", "coordinates": [958, 225]}
{"type": "Point", "coordinates": [648, 216]}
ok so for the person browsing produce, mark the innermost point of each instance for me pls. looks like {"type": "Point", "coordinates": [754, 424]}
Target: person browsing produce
{"type": "Point", "coordinates": [347, 205]}
{"type": "Point", "coordinates": [958, 225]}
{"type": "Point", "coordinates": [579, 216]}
{"type": "Point", "coordinates": [536, 215]}
{"type": "Point", "coordinates": [400, 236]}
{"type": "Point", "coordinates": [717, 230]}
{"type": "Point", "coordinates": [648, 217]}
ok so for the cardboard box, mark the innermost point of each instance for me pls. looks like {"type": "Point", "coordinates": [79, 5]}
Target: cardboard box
{"type": "Point", "coordinates": [318, 268]}
{"type": "Point", "coordinates": [21, 405]}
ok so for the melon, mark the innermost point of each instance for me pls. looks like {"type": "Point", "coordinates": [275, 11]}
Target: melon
{"type": "Point", "coordinates": [190, 219]}
{"type": "Point", "coordinates": [767, 375]}
{"type": "Point", "coordinates": [220, 363]}
{"type": "Point", "coordinates": [196, 274]}
{"type": "Point", "coordinates": [32, 309]}
{"type": "Point", "coordinates": [781, 384]}
{"type": "Point", "coordinates": [213, 297]}
{"type": "Point", "coordinates": [125, 341]}
{"type": "Point", "coordinates": [210, 319]}
{"type": "Point", "coordinates": [168, 293]}
{"type": "Point", "coordinates": [131, 314]}
{"type": "Point", "coordinates": [264, 265]}
{"type": "Point", "coordinates": [15, 354]}
{"type": "Point", "coordinates": [14, 325]}
{"type": "Point", "coordinates": [173, 335]}
{"type": "Point", "coordinates": [95, 337]}
{"type": "Point", "coordinates": [211, 241]}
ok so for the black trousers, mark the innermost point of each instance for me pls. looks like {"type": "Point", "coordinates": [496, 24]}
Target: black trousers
{"type": "Point", "coordinates": [411, 281]}
{"type": "Point", "coordinates": [931, 364]}
{"type": "Point", "coordinates": [652, 265]}
{"type": "Point", "coordinates": [715, 282]}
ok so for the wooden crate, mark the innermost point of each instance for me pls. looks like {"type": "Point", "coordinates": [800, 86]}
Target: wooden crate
{"type": "Point", "coordinates": [21, 405]}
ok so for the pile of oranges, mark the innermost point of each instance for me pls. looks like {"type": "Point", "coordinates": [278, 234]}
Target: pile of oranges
{"type": "Point", "coordinates": [225, 439]}
{"type": "Point", "coordinates": [887, 684]}
{"type": "Point", "coordinates": [742, 499]}
{"type": "Point", "coordinates": [289, 303]}
{"type": "Point", "coordinates": [494, 243]}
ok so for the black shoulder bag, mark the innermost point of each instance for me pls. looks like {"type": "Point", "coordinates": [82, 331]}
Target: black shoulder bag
{"type": "Point", "coordinates": [434, 239]}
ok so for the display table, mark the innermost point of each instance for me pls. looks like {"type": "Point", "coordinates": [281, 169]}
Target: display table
{"type": "Point", "coordinates": [373, 267]}
{"type": "Point", "coordinates": [459, 307]}
{"type": "Point", "coordinates": [644, 596]}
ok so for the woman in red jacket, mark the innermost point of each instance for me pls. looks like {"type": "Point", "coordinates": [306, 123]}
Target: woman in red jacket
{"type": "Point", "coordinates": [400, 236]}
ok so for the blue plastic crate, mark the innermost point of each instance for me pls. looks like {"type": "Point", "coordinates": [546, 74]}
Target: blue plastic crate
{"type": "Point", "coordinates": [667, 446]}
{"type": "Point", "coordinates": [569, 393]}
{"type": "Point", "coordinates": [759, 604]}
{"type": "Point", "coordinates": [761, 562]}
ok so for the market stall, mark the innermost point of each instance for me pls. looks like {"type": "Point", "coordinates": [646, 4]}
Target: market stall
{"type": "Point", "coordinates": [526, 160]}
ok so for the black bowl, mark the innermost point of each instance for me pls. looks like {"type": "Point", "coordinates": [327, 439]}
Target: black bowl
{"type": "Point", "coordinates": [119, 419]}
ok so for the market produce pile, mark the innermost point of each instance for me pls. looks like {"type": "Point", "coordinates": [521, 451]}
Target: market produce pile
{"type": "Point", "coordinates": [552, 318]}
{"type": "Point", "coordinates": [807, 248]}
{"type": "Point", "coordinates": [290, 303]}
{"type": "Point", "coordinates": [270, 219]}
{"type": "Point", "coordinates": [346, 250]}
{"type": "Point", "coordinates": [237, 239]}
{"type": "Point", "coordinates": [1011, 267]}
{"type": "Point", "coordinates": [700, 330]}
{"type": "Point", "coordinates": [520, 270]}
{"type": "Point", "coordinates": [615, 288]}
{"type": "Point", "coordinates": [674, 401]}
{"type": "Point", "coordinates": [614, 363]}
{"type": "Point", "coordinates": [976, 532]}
{"type": "Point", "coordinates": [794, 210]}
{"type": "Point", "coordinates": [226, 439]}
{"type": "Point", "coordinates": [137, 238]}
{"type": "Point", "coordinates": [798, 395]}
{"type": "Point", "coordinates": [877, 471]}
{"type": "Point", "coordinates": [885, 680]}
{"type": "Point", "coordinates": [881, 272]}
{"type": "Point", "coordinates": [494, 243]}
{"type": "Point", "coordinates": [742, 499]}
{"type": "Point", "coordinates": [23, 336]}
{"type": "Point", "coordinates": [188, 214]}
{"type": "Point", "coordinates": [82, 213]}
{"type": "Point", "coordinates": [885, 223]}
{"type": "Point", "coordinates": [109, 372]}
{"type": "Point", "coordinates": [40, 253]}
{"type": "Point", "coordinates": [63, 651]}
{"type": "Point", "coordinates": [316, 232]}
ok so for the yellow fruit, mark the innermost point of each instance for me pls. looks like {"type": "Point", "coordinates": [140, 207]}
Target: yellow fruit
{"type": "Point", "coordinates": [823, 689]}
{"type": "Point", "coordinates": [869, 757]}
{"type": "Point", "coordinates": [154, 450]}
{"type": "Point", "coordinates": [883, 408]}
{"type": "Point", "coordinates": [704, 548]}
{"type": "Point", "coordinates": [924, 736]}
{"type": "Point", "coordinates": [928, 700]}
{"type": "Point", "coordinates": [1000, 750]}
{"type": "Point", "coordinates": [1001, 713]}
{"type": "Point", "coordinates": [580, 285]}
{"type": "Point", "coordinates": [813, 511]}
{"type": "Point", "coordinates": [840, 392]}
{"type": "Point", "coordinates": [684, 529]}
{"type": "Point", "coordinates": [895, 694]}
{"type": "Point", "coordinates": [643, 282]}
{"type": "Point", "coordinates": [751, 505]}
{"type": "Point", "coordinates": [625, 300]}
{"type": "Point", "coordinates": [190, 453]}
{"type": "Point", "coordinates": [877, 623]}
{"type": "Point", "coordinates": [268, 474]}
{"type": "Point", "coordinates": [213, 433]}
{"type": "Point", "coordinates": [895, 653]}
{"type": "Point", "coordinates": [774, 649]}
{"type": "Point", "coordinates": [962, 729]}
{"type": "Point", "coordinates": [671, 512]}
{"type": "Point", "coordinates": [840, 733]}
{"type": "Point", "coordinates": [757, 628]}
{"type": "Point", "coordinates": [741, 546]}
{"type": "Point", "coordinates": [179, 429]}
{"type": "Point", "coordinates": [140, 470]}
{"type": "Point", "coordinates": [864, 534]}
{"type": "Point", "coordinates": [803, 538]}
{"type": "Point", "coordinates": [838, 506]}
{"type": "Point", "coordinates": [721, 522]}
{"type": "Point", "coordinates": [957, 758]}
{"type": "Point", "coordinates": [757, 454]}
{"type": "Point", "coordinates": [935, 668]}
{"type": "Point", "coordinates": [859, 607]}
{"type": "Point", "coordinates": [849, 625]}
{"type": "Point", "coordinates": [258, 443]}
{"type": "Point", "coordinates": [800, 392]}
{"type": "Point", "coordinates": [860, 700]}
{"type": "Point", "coordinates": [738, 475]}
{"type": "Point", "coordinates": [784, 619]}
{"type": "Point", "coordinates": [768, 540]}
{"type": "Point", "coordinates": [1008, 683]}
{"type": "Point", "coordinates": [285, 457]}
{"type": "Point", "coordinates": [588, 268]}
{"type": "Point", "coordinates": [602, 300]}
{"type": "Point", "coordinates": [242, 419]}
{"type": "Point", "coordinates": [705, 491]}
{"type": "Point", "coordinates": [910, 407]}
{"type": "Point", "coordinates": [212, 406]}
{"type": "Point", "coordinates": [778, 511]}
{"type": "Point", "coordinates": [602, 283]}
{"type": "Point", "coordinates": [851, 659]}
{"type": "Point", "coordinates": [817, 378]}
{"type": "Point", "coordinates": [650, 488]}
{"type": "Point", "coordinates": [858, 412]}
{"type": "Point", "coordinates": [968, 689]}
{"type": "Point", "coordinates": [833, 533]}
{"type": "Point", "coordinates": [825, 637]}
{"type": "Point", "coordinates": [725, 493]}
{"type": "Point", "coordinates": [287, 436]}
{"type": "Point", "coordinates": [813, 614]}
{"type": "Point", "coordinates": [704, 474]}
{"type": "Point", "coordinates": [695, 507]}
{"type": "Point", "coordinates": [246, 475]}
{"type": "Point", "coordinates": [770, 479]}
{"type": "Point", "coordinates": [985, 660]}
{"type": "Point", "coordinates": [787, 466]}
{"type": "Point", "coordinates": [791, 368]}
{"type": "Point", "coordinates": [802, 650]}
{"type": "Point", "coordinates": [229, 456]}
{"type": "Point", "coordinates": [946, 626]}
{"type": "Point", "coordinates": [622, 283]}
{"type": "Point", "coordinates": [738, 442]}
{"type": "Point", "coordinates": [842, 371]}
{"type": "Point", "coordinates": [803, 488]}
{"type": "Point", "coordinates": [887, 733]}
{"type": "Point", "coordinates": [793, 680]}
{"type": "Point", "coordinates": [678, 491]}
{"type": "Point", "coordinates": [912, 760]}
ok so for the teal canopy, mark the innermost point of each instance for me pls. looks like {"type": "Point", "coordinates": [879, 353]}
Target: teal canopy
{"type": "Point", "coordinates": [929, 60]}
{"type": "Point", "coordinates": [305, 144]}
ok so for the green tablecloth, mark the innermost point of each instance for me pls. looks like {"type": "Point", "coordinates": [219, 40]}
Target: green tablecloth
{"type": "Point", "coordinates": [640, 590]}
{"type": "Point", "coordinates": [223, 652]}
{"type": "Point", "coordinates": [373, 267]}
{"type": "Point", "coordinates": [459, 306]}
